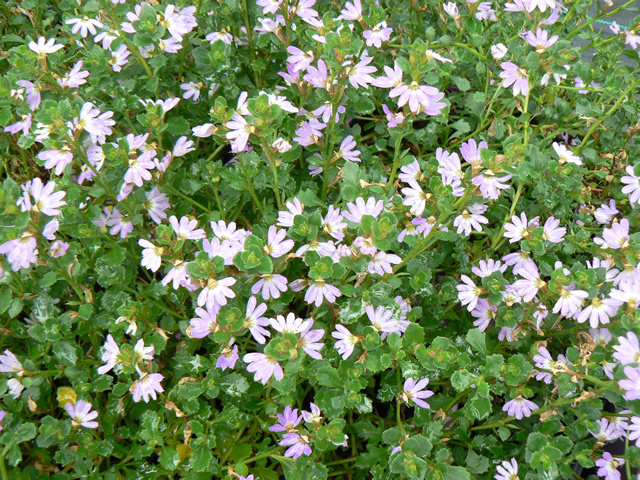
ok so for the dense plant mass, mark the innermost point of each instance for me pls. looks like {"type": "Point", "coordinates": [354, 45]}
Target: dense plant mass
{"type": "Point", "coordinates": [307, 239]}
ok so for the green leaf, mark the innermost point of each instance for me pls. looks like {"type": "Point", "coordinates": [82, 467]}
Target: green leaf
{"type": "Point", "coordinates": [516, 370]}
{"type": "Point", "coordinates": [479, 406]}
{"type": "Point", "coordinates": [476, 339]}
{"type": "Point", "coordinates": [392, 436]}
{"type": "Point", "coordinates": [461, 379]}
{"type": "Point", "coordinates": [476, 464]}
{"type": "Point", "coordinates": [456, 473]}
{"type": "Point", "coordinates": [462, 83]}
{"type": "Point", "coordinates": [329, 377]}
{"type": "Point", "coordinates": [5, 299]}
{"type": "Point", "coordinates": [536, 441]}
{"type": "Point", "coordinates": [65, 352]}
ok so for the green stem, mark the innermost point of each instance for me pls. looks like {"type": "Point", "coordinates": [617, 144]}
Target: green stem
{"type": "Point", "coordinates": [3, 469]}
{"type": "Point", "coordinates": [342, 462]}
{"type": "Point", "coordinates": [396, 161]}
{"type": "Point", "coordinates": [615, 106]}
{"type": "Point", "coordinates": [187, 198]}
{"type": "Point", "coordinates": [471, 50]}
{"type": "Point", "coordinates": [261, 456]}
{"type": "Point", "coordinates": [398, 404]}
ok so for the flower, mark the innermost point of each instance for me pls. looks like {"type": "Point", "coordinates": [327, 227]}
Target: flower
{"type": "Point", "coordinates": [290, 324]}
{"type": "Point", "coordinates": [9, 363]}
{"type": "Point", "coordinates": [360, 208]}
{"type": "Point", "coordinates": [634, 430]}
{"type": "Point", "coordinates": [378, 34]}
{"type": "Point", "coordinates": [21, 252]}
{"type": "Point", "coordinates": [513, 75]}
{"type": "Point", "coordinates": [540, 40]}
{"type": "Point", "coordinates": [565, 154]}
{"type": "Point", "coordinates": [615, 237]}
{"type": "Point", "coordinates": [151, 255]}
{"type": "Point", "coordinates": [97, 124]}
{"type": "Point", "coordinates": [84, 25]}
{"type": "Point", "coordinates": [508, 470]}
{"type": "Point", "coordinates": [81, 414]}
{"type": "Point", "coordinates": [276, 245]}
{"type": "Point", "coordinates": [228, 357]}
{"type": "Point", "coordinates": [111, 355]}
{"type": "Point", "coordinates": [608, 431]}
{"type": "Point", "coordinates": [298, 59]}
{"type": "Point", "coordinates": [551, 232]}
{"type": "Point", "coordinates": [264, 367]}
{"type": "Point", "coordinates": [471, 218]}
{"type": "Point", "coordinates": [186, 228]}
{"type": "Point", "coordinates": [287, 421]}
{"type": "Point", "coordinates": [631, 384]}
{"type": "Point", "coordinates": [359, 74]}
{"type": "Point", "coordinates": [216, 292]}
{"type": "Point", "coordinates": [271, 285]}
{"type": "Point", "coordinates": [45, 47]}
{"type": "Point", "coordinates": [205, 323]}
{"type": "Point", "coordinates": [319, 290]}
{"type": "Point", "coordinates": [298, 445]}
{"type": "Point", "coordinates": [468, 293]}
{"type": "Point", "coordinates": [489, 184]}
{"type": "Point", "coordinates": [255, 322]}
{"type": "Point", "coordinates": [346, 341]}
{"type": "Point", "coordinates": [347, 151]}
{"type": "Point", "coordinates": [147, 386]}
{"type": "Point", "coordinates": [15, 387]}
{"type": "Point", "coordinates": [498, 51]}
{"type": "Point", "coordinates": [309, 341]}
{"type": "Point", "coordinates": [628, 349]}
{"type": "Point", "coordinates": [44, 198]}
{"type": "Point", "coordinates": [58, 159]}
{"type": "Point", "coordinates": [608, 466]}
{"type": "Point", "coordinates": [632, 185]}
{"type": "Point", "coordinates": [519, 407]}
{"type": "Point", "coordinates": [157, 203]}
{"type": "Point", "coordinates": [599, 311]}
{"type": "Point", "coordinates": [606, 212]}
{"type": "Point", "coordinates": [415, 392]}
{"type": "Point", "coordinates": [33, 93]}
{"type": "Point", "coordinates": [519, 228]}
{"type": "Point", "coordinates": [381, 262]}
{"type": "Point", "coordinates": [570, 301]}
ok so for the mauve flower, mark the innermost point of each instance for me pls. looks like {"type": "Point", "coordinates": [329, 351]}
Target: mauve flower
{"type": "Point", "coordinates": [298, 445]}
{"type": "Point", "coordinates": [540, 40]}
{"type": "Point", "coordinates": [228, 357]}
{"type": "Point", "coordinates": [84, 25]}
{"type": "Point", "coordinates": [45, 47]}
{"type": "Point", "coordinates": [507, 470]}
{"type": "Point", "coordinates": [359, 74]}
{"type": "Point", "coordinates": [147, 386]}
{"type": "Point", "coordinates": [216, 292]}
{"type": "Point", "coordinates": [23, 124]}
{"type": "Point", "coordinates": [298, 59]}
{"type": "Point", "coordinates": [468, 292]}
{"type": "Point", "coordinates": [360, 208]}
{"type": "Point", "coordinates": [484, 313]}
{"type": "Point", "coordinates": [381, 262]}
{"type": "Point", "coordinates": [565, 154]}
{"type": "Point", "coordinates": [606, 212]}
{"type": "Point", "coordinates": [513, 75]}
{"type": "Point", "coordinates": [519, 227]}
{"type": "Point", "coordinates": [271, 284]}
{"type": "Point", "coordinates": [58, 248]}
{"type": "Point", "coordinates": [97, 124]}
{"type": "Point", "coordinates": [319, 291]}
{"type": "Point", "coordinates": [607, 432]}
{"type": "Point", "coordinates": [287, 421]}
{"type": "Point", "coordinates": [309, 132]}
{"type": "Point", "coordinates": [346, 341]}
{"type": "Point", "coordinates": [608, 466]}
{"type": "Point", "coordinates": [415, 95]}
{"type": "Point", "coordinates": [110, 355]}
{"type": "Point", "coordinates": [157, 203]}
{"type": "Point", "coordinates": [186, 228]}
{"type": "Point", "coordinates": [570, 301]}
{"type": "Point", "coordinates": [255, 322]}
{"type": "Point", "coordinates": [415, 392]}
{"type": "Point", "coordinates": [599, 312]}
{"type": "Point", "coordinates": [489, 184]}
{"type": "Point", "coordinates": [519, 407]}
{"type": "Point", "coordinates": [239, 132]}
{"type": "Point", "coordinates": [308, 341]}
{"type": "Point", "coordinates": [528, 287]}
{"type": "Point", "coordinates": [276, 245]}
{"type": "Point", "coordinates": [81, 414]}
{"type": "Point", "coordinates": [487, 267]}
{"type": "Point", "coordinates": [631, 384]}
{"type": "Point", "coordinates": [632, 185]}
{"type": "Point", "coordinates": [628, 349]}
{"type": "Point", "coordinates": [551, 231]}
{"type": "Point", "coordinates": [615, 237]}
{"type": "Point", "coordinates": [634, 430]}
{"type": "Point", "coordinates": [269, 6]}
{"type": "Point", "coordinates": [471, 218]}
{"type": "Point", "coordinates": [378, 34]}
{"type": "Point", "coordinates": [264, 367]}
{"type": "Point", "coordinates": [205, 323]}
{"type": "Point", "coordinates": [33, 93]}
{"type": "Point", "coordinates": [9, 363]}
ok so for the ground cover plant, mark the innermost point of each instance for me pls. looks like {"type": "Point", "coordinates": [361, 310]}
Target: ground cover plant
{"type": "Point", "coordinates": [307, 239]}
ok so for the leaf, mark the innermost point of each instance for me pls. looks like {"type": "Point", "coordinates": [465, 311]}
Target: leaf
{"type": "Point", "coordinates": [476, 464]}
{"type": "Point", "coordinates": [329, 377]}
{"type": "Point", "coordinates": [516, 370]}
{"type": "Point", "coordinates": [461, 379]}
{"type": "Point", "coordinates": [461, 127]}
{"type": "Point", "coordinates": [462, 83]}
{"type": "Point", "coordinates": [5, 299]}
{"type": "Point", "coordinates": [476, 339]}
